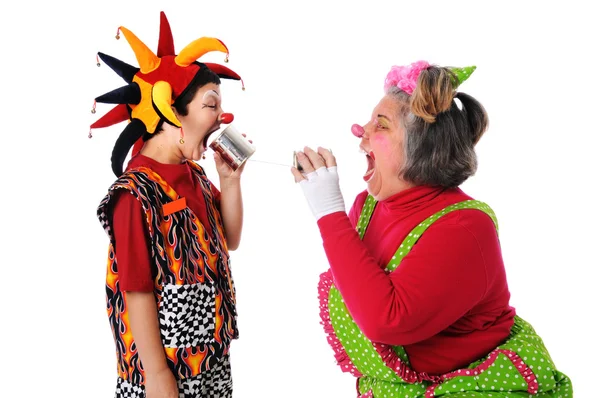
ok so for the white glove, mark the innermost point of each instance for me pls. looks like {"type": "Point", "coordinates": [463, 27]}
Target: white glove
{"type": "Point", "coordinates": [322, 191]}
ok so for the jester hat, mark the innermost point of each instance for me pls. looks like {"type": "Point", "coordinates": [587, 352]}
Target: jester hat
{"type": "Point", "coordinates": [153, 87]}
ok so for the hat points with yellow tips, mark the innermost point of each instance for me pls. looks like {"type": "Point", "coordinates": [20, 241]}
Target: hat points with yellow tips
{"type": "Point", "coordinates": [153, 87]}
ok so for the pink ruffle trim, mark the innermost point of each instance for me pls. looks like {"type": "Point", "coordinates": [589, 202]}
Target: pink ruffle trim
{"type": "Point", "coordinates": [392, 361]}
{"type": "Point", "coordinates": [524, 370]}
{"type": "Point", "coordinates": [530, 378]}
{"type": "Point", "coordinates": [341, 357]}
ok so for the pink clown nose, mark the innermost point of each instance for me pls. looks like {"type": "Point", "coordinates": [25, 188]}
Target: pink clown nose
{"type": "Point", "coordinates": [358, 130]}
{"type": "Point", "coordinates": [226, 118]}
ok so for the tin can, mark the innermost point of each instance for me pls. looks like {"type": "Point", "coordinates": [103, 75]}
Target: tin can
{"type": "Point", "coordinates": [296, 163]}
{"type": "Point", "coordinates": [233, 147]}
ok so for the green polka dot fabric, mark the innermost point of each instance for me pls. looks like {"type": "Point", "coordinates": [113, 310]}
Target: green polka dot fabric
{"type": "Point", "coordinates": [365, 215]}
{"type": "Point", "coordinates": [379, 388]}
{"type": "Point", "coordinates": [357, 346]}
{"type": "Point", "coordinates": [463, 73]}
{"type": "Point", "coordinates": [521, 367]}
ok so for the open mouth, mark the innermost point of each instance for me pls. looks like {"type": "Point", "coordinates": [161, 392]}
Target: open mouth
{"type": "Point", "coordinates": [370, 167]}
{"type": "Point", "coordinates": [205, 140]}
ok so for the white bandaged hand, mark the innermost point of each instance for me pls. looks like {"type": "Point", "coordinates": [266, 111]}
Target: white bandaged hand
{"type": "Point", "coordinates": [322, 191]}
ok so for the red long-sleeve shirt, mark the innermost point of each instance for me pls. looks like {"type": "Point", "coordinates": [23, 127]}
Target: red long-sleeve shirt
{"type": "Point", "coordinates": [448, 301]}
{"type": "Point", "coordinates": [130, 229]}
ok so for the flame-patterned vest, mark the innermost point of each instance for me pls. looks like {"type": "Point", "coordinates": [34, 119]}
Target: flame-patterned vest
{"type": "Point", "coordinates": [194, 292]}
{"type": "Point", "coordinates": [520, 367]}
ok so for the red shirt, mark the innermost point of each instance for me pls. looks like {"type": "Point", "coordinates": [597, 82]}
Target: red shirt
{"type": "Point", "coordinates": [448, 301]}
{"type": "Point", "coordinates": [130, 229]}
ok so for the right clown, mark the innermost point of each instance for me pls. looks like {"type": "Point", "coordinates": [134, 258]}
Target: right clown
{"type": "Point", "coordinates": [416, 300]}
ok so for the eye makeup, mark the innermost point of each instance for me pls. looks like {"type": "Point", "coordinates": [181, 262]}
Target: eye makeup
{"type": "Point", "coordinates": [210, 99]}
{"type": "Point", "coordinates": [383, 121]}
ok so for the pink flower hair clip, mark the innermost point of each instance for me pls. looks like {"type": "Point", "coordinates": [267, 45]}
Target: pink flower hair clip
{"type": "Point", "coordinates": [405, 77]}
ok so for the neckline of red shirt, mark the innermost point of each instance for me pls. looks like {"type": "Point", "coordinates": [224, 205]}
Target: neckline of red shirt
{"type": "Point", "coordinates": [140, 159]}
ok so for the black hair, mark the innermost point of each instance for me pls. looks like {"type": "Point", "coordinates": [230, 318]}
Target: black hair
{"type": "Point", "coordinates": [136, 128]}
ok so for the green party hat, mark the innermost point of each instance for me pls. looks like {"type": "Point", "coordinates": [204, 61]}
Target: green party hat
{"type": "Point", "coordinates": [463, 74]}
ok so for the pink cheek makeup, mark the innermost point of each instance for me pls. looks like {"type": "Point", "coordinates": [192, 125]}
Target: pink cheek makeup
{"type": "Point", "coordinates": [381, 142]}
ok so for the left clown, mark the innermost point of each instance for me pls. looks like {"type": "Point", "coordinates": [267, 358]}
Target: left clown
{"type": "Point", "coordinates": [170, 296]}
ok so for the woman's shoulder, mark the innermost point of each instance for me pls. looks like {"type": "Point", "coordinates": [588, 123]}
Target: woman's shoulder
{"type": "Point", "coordinates": [475, 214]}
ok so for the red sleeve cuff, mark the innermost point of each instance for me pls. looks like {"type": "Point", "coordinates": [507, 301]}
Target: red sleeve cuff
{"type": "Point", "coordinates": [129, 285]}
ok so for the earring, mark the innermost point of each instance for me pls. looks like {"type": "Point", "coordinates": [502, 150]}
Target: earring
{"type": "Point", "coordinates": [181, 141]}
{"type": "Point", "coordinates": [203, 156]}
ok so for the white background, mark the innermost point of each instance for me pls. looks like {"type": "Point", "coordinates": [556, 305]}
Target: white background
{"type": "Point", "coordinates": [311, 69]}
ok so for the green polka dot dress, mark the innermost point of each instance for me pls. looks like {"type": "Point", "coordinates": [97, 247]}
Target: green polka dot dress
{"type": "Point", "coordinates": [521, 367]}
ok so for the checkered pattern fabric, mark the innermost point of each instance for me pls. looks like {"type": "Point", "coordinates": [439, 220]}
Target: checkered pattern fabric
{"type": "Point", "coordinates": [187, 315]}
{"type": "Point", "coordinates": [214, 383]}
{"type": "Point", "coordinates": [125, 389]}
{"type": "Point", "coordinates": [103, 217]}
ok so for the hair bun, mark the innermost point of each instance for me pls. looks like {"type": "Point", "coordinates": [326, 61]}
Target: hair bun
{"type": "Point", "coordinates": [434, 93]}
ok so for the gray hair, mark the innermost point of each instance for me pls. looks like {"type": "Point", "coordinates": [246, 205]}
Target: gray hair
{"type": "Point", "coordinates": [441, 153]}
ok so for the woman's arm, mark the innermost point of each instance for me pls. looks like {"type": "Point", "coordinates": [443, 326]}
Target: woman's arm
{"type": "Point", "coordinates": [232, 211]}
{"type": "Point", "coordinates": [437, 283]}
{"type": "Point", "coordinates": [135, 280]}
